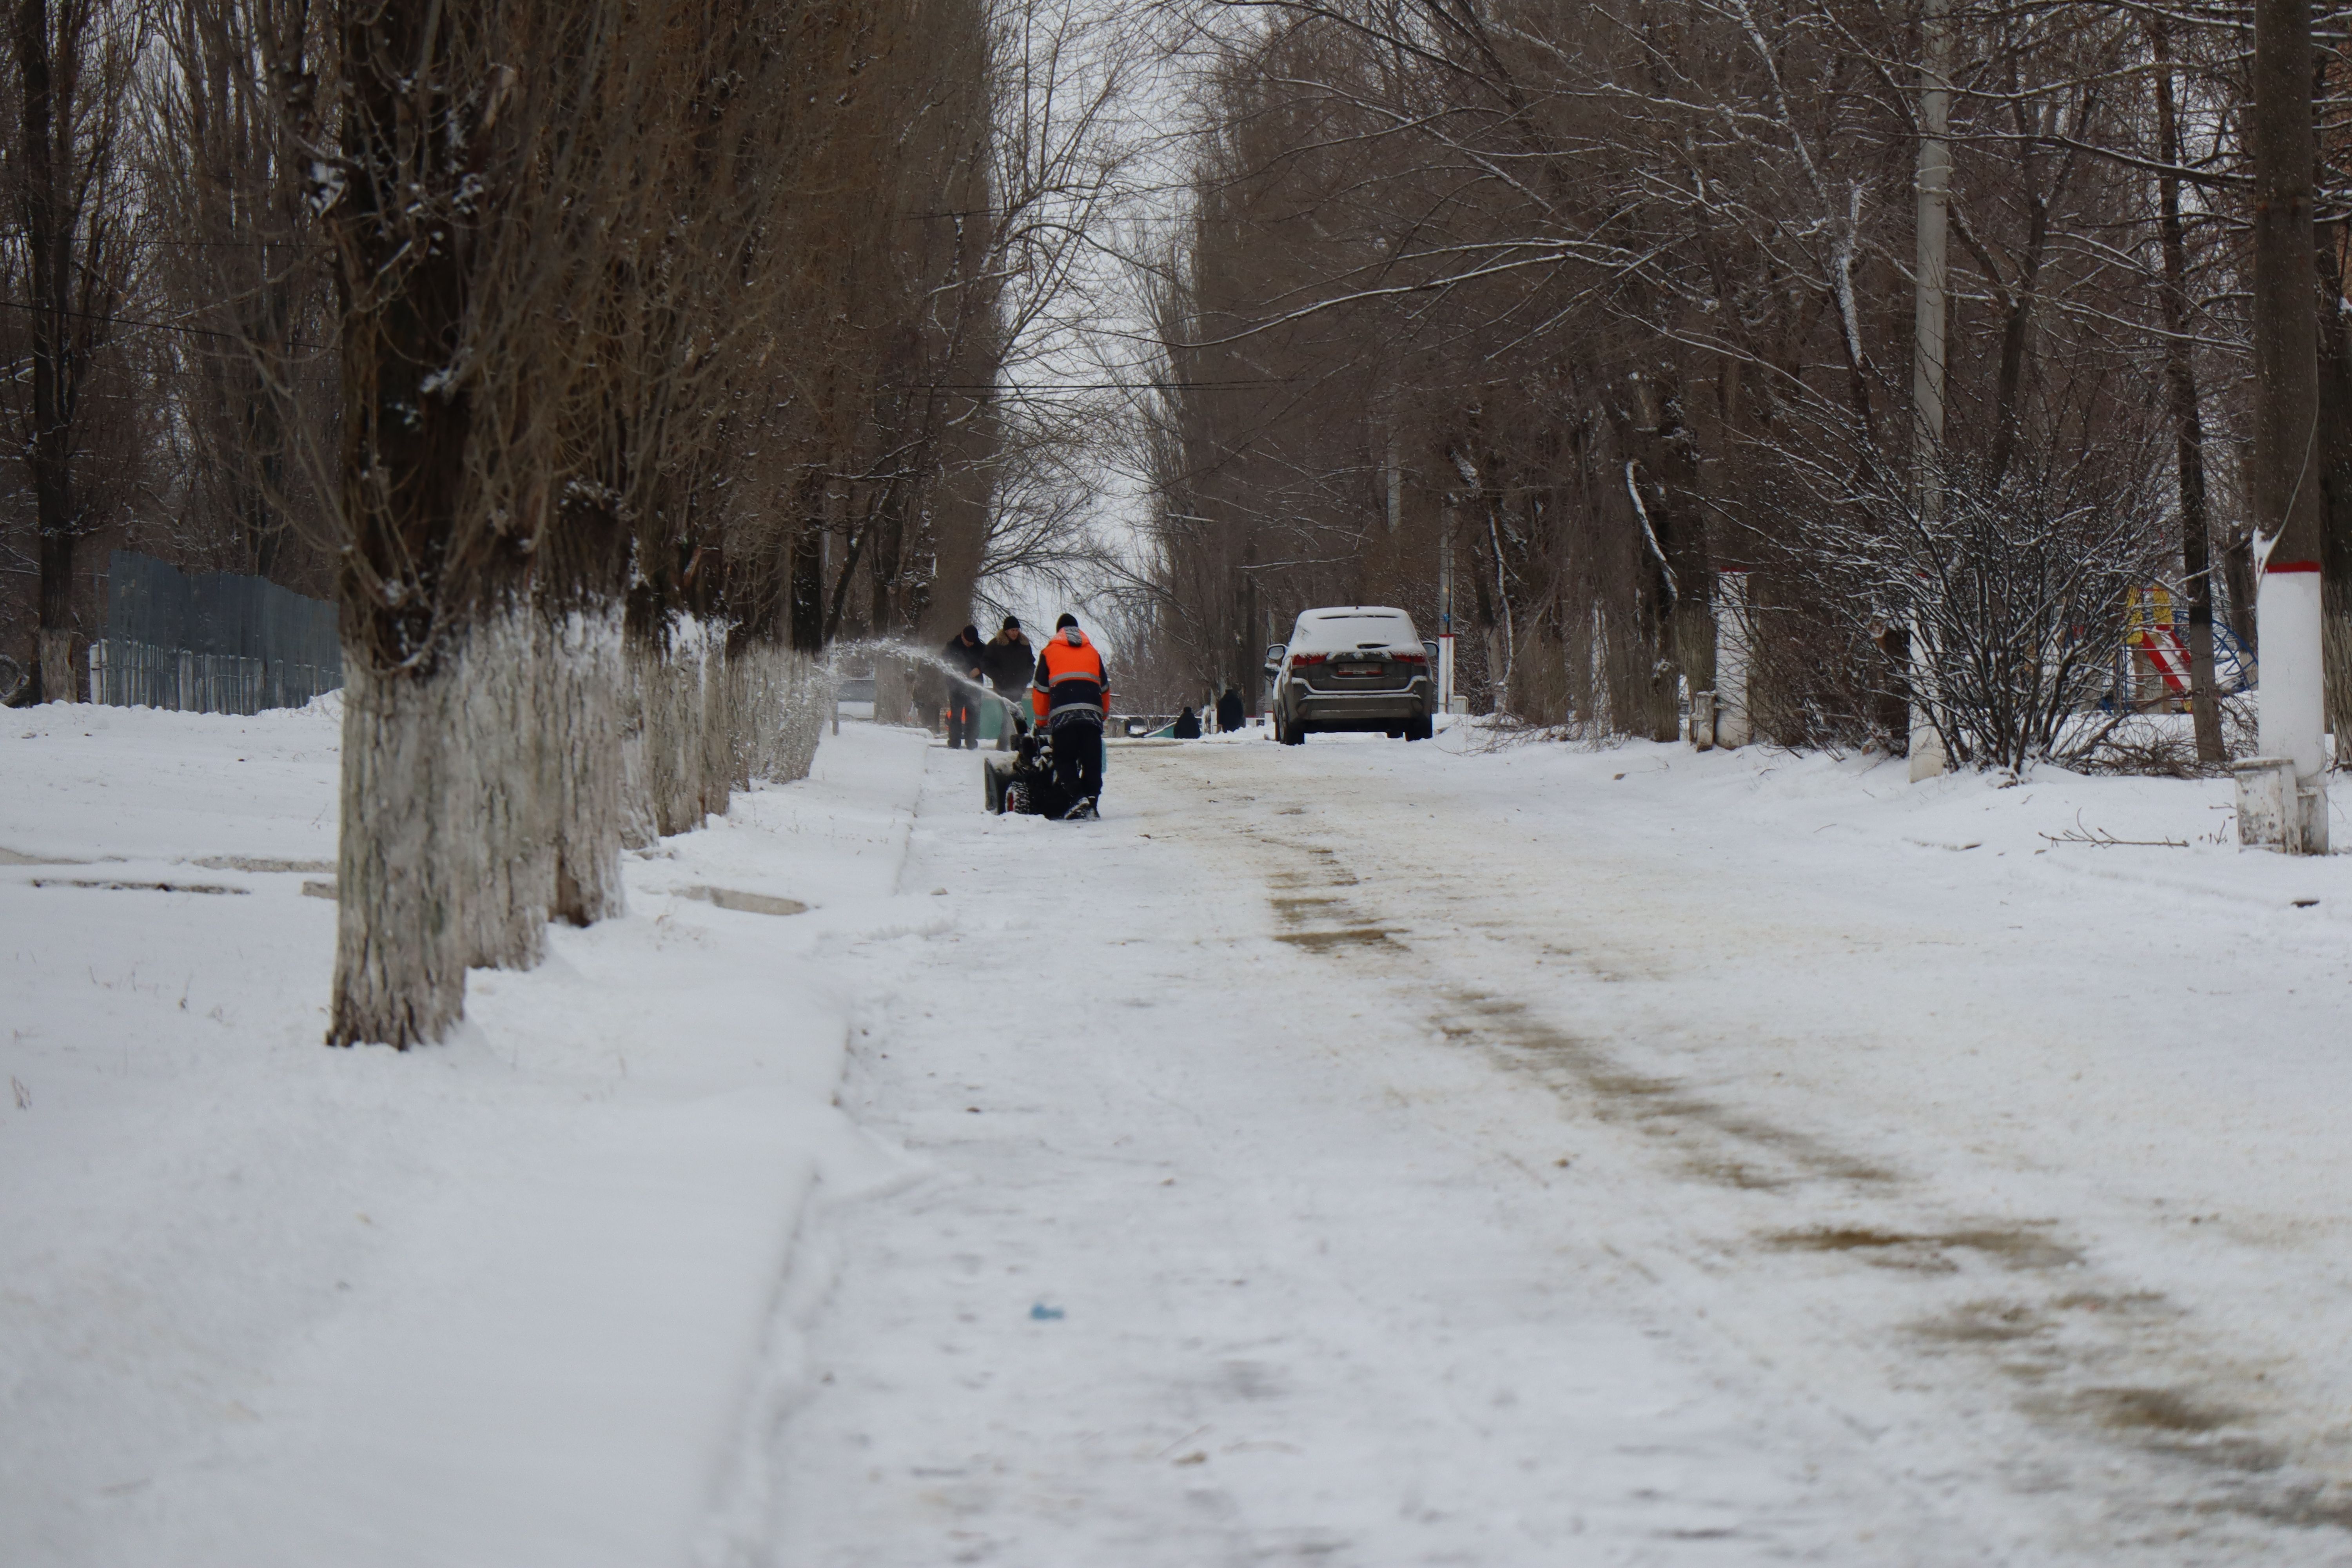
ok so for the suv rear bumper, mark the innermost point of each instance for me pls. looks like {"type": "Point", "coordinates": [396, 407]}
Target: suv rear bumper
{"type": "Point", "coordinates": [1358, 710]}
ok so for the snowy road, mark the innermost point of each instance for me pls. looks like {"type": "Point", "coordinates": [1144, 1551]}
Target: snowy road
{"type": "Point", "coordinates": [1365, 1155]}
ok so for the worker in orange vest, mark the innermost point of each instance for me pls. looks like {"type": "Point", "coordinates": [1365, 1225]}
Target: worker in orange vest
{"type": "Point", "coordinates": [1071, 697]}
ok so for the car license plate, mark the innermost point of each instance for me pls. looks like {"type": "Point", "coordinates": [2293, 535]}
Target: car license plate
{"type": "Point", "coordinates": [1360, 669]}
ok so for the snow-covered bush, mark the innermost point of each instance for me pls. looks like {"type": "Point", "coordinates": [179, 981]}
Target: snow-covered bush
{"type": "Point", "coordinates": [1999, 607]}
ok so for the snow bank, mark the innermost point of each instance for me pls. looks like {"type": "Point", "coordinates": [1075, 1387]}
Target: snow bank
{"type": "Point", "coordinates": [2174, 833]}
{"type": "Point", "coordinates": [270, 1303]}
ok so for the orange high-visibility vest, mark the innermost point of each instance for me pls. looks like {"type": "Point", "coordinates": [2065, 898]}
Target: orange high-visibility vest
{"type": "Point", "coordinates": [1070, 678]}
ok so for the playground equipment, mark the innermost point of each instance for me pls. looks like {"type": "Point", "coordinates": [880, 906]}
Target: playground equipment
{"type": "Point", "coordinates": [2234, 662]}
{"type": "Point", "coordinates": [2157, 654]}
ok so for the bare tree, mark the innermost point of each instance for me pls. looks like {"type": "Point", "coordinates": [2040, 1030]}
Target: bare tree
{"type": "Point", "coordinates": [235, 264]}
{"type": "Point", "coordinates": [74, 250]}
{"type": "Point", "coordinates": [1629, 297]}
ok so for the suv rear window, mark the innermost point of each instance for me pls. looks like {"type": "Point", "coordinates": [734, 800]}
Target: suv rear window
{"type": "Point", "coordinates": [1336, 633]}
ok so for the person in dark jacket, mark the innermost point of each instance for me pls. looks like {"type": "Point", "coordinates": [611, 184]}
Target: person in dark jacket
{"type": "Point", "coordinates": [1071, 697]}
{"type": "Point", "coordinates": [1230, 716]}
{"type": "Point", "coordinates": [1188, 726]}
{"type": "Point", "coordinates": [966, 658]}
{"type": "Point", "coordinates": [1011, 662]}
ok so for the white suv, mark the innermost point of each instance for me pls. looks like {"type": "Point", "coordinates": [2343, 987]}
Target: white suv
{"type": "Point", "coordinates": [1353, 667]}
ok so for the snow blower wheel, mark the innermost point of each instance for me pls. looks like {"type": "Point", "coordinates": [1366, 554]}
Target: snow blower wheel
{"type": "Point", "coordinates": [1028, 788]}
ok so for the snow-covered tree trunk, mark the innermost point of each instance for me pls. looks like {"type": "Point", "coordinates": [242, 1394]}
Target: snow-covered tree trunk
{"type": "Point", "coordinates": [497, 791]}
{"type": "Point", "coordinates": [417, 578]}
{"type": "Point", "coordinates": [582, 719]}
{"type": "Point", "coordinates": [501, 766]}
{"type": "Point", "coordinates": [403, 942]}
{"type": "Point", "coordinates": [1734, 724]}
{"type": "Point", "coordinates": [662, 728]}
{"type": "Point", "coordinates": [56, 650]}
{"type": "Point", "coordinates": [699, 722]}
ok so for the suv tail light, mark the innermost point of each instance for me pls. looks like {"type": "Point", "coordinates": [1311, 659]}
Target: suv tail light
{"type": "Point", "coordinates": [1301, 660]}
{"type": "Point", "coordinates": [1414, 658]}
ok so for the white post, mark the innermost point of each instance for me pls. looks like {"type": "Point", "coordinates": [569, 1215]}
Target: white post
{"type": "Point", "coordinates": [1927, 743]}
{"type": "Point", "coordinates": [2287, 806]}
{"type": "Point", "coordinates": [1733, 727]}
{"type": "Point", "coordinates": [1445, 608]}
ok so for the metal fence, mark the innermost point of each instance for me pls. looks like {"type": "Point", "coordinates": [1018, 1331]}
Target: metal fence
{"type": "Point", "coordinates": [212, 643]}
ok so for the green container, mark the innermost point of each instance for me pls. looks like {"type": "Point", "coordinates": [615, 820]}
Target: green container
{"type": "Point", "coordinates": [993, 718]}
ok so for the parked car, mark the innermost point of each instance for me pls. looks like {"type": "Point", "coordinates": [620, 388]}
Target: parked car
{"type": "Point", "coordinates": [1351, 667]}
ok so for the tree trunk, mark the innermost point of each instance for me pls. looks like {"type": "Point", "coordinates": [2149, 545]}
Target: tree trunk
{"type": "Point", "coordinates": [2188, 425]}
{"type": "Point", "coordinates": [1663, 486]}
{"type": "Point", "coordinates": [56, 671]}
{"type": "Point", "coordinates": [404, 933]}
{"type": "Point", "coordinates": [506, 777]}
{"type": "Point", "coordinates": [807, 586]}
{"type": "Point", "coordinates": [584, 721]}
{"type": "Point", "coordinates": [2335, 630]}
{"type": "Point", "coordinates": [49, 245]}
{"type": "Point", "coordinates": [402, 944]}
{"type": "Point", "coordinates": [1249, 656]}
{"type": "Point", "coordinates": [2334, 462]}
{"type": "Point", "coordinates": [2238, 581]}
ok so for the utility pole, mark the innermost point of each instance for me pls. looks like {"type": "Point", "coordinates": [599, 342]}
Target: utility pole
{"type": "Point", "coordinates": [1928, 348]}
{"type": "Point", "coordinates": [1446, 606]}
{"type": "Point", "coordinates": [2283, 793]}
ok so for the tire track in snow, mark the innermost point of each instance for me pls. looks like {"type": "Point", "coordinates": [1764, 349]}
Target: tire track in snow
{"type": "Point", "coordinates": [1308, 1320]}
{"type": "Point", "coordinates": [2161, 1440]}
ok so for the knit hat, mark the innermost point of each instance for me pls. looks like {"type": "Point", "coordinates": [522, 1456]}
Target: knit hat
{"type": "Point", "coordinates": [1011, 624]}
{"type": "Point", "coordinates": [1066, 620]}
{"type": "Point", "coordinates": [971, 634]}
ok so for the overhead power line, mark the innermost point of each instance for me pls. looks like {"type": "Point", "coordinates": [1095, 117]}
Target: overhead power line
{"type": "Point", "coordinates": [974, 388]}
{"type": "Point", "coordinates": [134, 321]}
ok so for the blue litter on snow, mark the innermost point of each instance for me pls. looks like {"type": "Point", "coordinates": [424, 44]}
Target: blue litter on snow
{"type": "Point", "coordinates": [1043, 1314]}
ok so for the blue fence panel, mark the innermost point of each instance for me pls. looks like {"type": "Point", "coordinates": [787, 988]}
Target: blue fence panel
{"type": "Point", "coordinates": [214, 642]}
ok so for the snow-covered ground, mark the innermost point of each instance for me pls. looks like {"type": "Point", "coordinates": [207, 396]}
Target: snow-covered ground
{"type": "Point", "coordinates": [1359, 1153]}
{"type": "Point", "coordinates": [264, 1303]}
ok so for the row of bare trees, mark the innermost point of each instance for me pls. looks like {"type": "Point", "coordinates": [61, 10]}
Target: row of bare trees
{"type": "Point", "coordinates": [1615, 297]}
{"type": "Point", "coordinates": [605, 359]}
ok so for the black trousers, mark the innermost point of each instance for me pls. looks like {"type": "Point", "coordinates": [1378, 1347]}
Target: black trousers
{"type": "Point", "coordinates": [1077, 758]}
{"type": "Point", "coordinates": [964, 729]}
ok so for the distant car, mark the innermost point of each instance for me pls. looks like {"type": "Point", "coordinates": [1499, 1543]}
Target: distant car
{"type": "Point", "coordinates": [1353, 667]}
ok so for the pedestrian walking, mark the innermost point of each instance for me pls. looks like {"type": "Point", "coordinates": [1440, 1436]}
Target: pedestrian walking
{"type": "Point", "coordinates": [1230, 716]}
{"type": "Point", "coordinates": [1187, 725]}
{"type": "Point", "coordinates": [1071, 697]}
